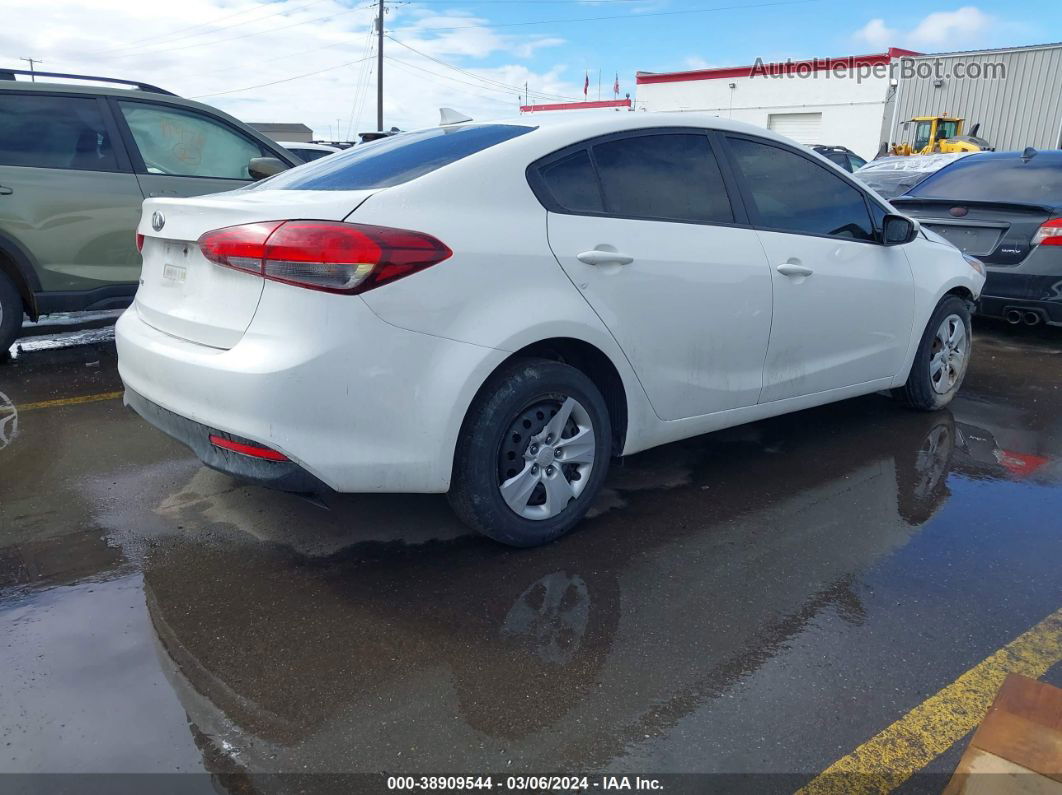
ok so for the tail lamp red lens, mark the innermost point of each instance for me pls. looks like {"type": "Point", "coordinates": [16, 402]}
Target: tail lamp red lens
{"type": "Point", "coordinates": [1050, 234]}
{"type": "Point", "coordinates": [323, 255]}
{"type": "Point", "coordinates": [139, 242]}
{"type": "Point", "coordinates": [245, 448]}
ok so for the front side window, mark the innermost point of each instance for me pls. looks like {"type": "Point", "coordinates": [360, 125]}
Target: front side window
{"type": "Point", "coordinates": [793, 194]}
{"type": "Point", "coordinates": [181, 143]}
{"type": "Point", "coordinates": [54, 132]}
{"type": "Point", "coordinates": [665, 176]}
{"type": "Point", "coordinates": [395, 159]}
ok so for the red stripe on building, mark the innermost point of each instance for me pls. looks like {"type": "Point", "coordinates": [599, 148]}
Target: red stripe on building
{"type": "Point", "coordinates": [778, 68]}
{"type": "Point", "coordinates": [604, 103]}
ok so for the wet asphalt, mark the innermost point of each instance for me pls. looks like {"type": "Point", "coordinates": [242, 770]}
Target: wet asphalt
{"type": "Point", "coordinates": [762, 599]}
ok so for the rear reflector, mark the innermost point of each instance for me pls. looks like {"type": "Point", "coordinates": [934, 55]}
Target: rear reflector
{"type": "Point", "coordinates": [1050, 234]}
{"type": "Point", "coordinates": [243, 448]}
{"type": "Point", "coordinates": [323, 255]}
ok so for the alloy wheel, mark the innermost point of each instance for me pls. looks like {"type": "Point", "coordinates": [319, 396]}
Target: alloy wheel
{"type": "Point", "coordinates": [947, 357]}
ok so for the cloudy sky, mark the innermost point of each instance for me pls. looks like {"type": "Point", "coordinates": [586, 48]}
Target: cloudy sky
{"type": "Point", "coordinates": [314, 60]}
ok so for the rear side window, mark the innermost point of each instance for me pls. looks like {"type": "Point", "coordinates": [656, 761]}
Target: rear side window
{"type": "Point", "coordinates": [396, 159]}
{"type": "Point", "coordinates": [793, 194]}
{"type": "Point", "coordinates": [54, 132]}
{"type": "Point", "coordinates": [573, 183]}
{"type": "Point", "coordinates": [670, 177]}
{"type": "Point", "coordinates": [1001, 179]}
{"type": "Point", "coordinates": [182, 143]}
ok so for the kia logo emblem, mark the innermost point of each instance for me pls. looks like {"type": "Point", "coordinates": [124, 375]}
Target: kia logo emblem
{"type": "Point", "coordinates": [158, 220]}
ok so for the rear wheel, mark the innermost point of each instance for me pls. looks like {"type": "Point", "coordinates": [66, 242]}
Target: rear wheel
{"type": "Point", "coordinates": [942, 358]}
{"type": "Point", "coordinates": [10, 314]}
{"type": "Point", "coordinates": [533, 452]}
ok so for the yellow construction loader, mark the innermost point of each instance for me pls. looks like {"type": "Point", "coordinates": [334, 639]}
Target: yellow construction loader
{"type": "Point", "coordinates": [933, 134]}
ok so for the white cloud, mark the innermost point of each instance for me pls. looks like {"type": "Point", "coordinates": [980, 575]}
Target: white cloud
{"type": "Point", "coordinates": [877, 34]}
{"type": "Point", "coordinates": [951, 28]}
{"type": "Point", "coordinates": [207, 47]}
{"type": "Point", "coordinates": [940, 30]}
{"type": "Point", "coordinates": [695, 62]}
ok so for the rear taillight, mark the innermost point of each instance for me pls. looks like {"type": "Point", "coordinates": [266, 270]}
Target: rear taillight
{"type": "Point", "coordinates": [139, 242]}
{"type": "Point", "coordinates": [323, 255]}
{"type": "Point", "coordinates": [1050, 234]}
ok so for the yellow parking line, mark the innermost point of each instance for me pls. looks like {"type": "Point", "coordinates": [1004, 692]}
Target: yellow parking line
{"type": "Point", "coordinates": [70, 401]}
{"type": "Point", "coordinates": [885, 761]}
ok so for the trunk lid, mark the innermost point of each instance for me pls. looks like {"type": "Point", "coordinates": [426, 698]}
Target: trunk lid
{"type": "Point", "coordinates": [999, 233]}
{"type": "Point", "coordinates": [185, 295]}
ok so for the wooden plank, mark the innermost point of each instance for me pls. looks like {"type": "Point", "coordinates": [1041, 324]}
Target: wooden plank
{"type": "Point", "coordinates": [982, 773]}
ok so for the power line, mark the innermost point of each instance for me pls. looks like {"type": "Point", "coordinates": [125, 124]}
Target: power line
{"type": "Point", "coordinates": [275, 82]}
{"type": "Point", "coordinates": [136, 43]}
{"type": "Point", "coordinates": [247, 35]}
{"type": "Point", "coordinates": [626, 16]}
{"type": "Point", "coordinates": [499, 83]}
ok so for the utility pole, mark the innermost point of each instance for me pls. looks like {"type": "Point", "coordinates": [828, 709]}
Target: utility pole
{"type": "Point", "coordinates": [33, 77]}
{"type": "Point", "coordinates": [379, 68]}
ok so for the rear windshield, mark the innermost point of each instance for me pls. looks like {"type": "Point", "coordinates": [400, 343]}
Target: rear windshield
{"type": "Point", "coordinates": [394, 160]}
{"type": "Point", "coordinates": [1001, 179]}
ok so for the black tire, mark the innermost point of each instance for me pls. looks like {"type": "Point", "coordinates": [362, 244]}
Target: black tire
{"type": "Point", "coordinates": [475, 489]}
{"type": "Point", "coordinates": [919, 392]}
{"type": "Point", "coordinates": [10, 314]}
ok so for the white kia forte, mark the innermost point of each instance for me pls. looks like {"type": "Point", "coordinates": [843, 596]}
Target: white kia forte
{"type": "Point", "coordinates": [496, 310]}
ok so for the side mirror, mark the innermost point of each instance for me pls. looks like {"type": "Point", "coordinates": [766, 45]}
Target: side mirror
{"type": "Point", "coordinates": [898, 229]}
{"type": "Point", "coordinates": [262, 167]}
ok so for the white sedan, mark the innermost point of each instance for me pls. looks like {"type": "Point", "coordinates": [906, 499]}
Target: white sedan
{"type": "Point", "coordinates": [496, 310]}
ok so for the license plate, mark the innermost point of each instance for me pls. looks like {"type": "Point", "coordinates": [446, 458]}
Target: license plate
{"type": "Point", "coordinates": [976, 240]}
{"type": "Point", "coordinates": [174, 273]}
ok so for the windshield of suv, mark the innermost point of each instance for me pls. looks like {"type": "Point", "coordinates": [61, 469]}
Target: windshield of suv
{"type": "Point", "coordinates": [1001, 179]}
{"type": "Point", "coordinates": [396, 159]}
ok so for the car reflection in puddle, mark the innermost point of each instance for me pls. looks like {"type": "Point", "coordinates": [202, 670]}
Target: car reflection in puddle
{"type": "Point", "coordinates": [717, 552]}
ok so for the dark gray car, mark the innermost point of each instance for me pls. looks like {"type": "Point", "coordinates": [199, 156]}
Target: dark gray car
{"type": "Point", "coordinates": [77, 161]}
{"type": "Point", "coordinates": [1005, 208]}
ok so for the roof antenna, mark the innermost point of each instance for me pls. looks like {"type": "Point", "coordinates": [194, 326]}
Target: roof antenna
{"type": "Point", "coordinates": [451, 116]}
{"type": "Point", "coordinates": [1028, 154]}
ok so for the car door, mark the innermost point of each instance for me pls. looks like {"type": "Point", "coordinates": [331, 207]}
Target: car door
{"type": "Point", "coordinates": [67, 194]}
{"type": "Point", "coordinates": [644, 225]}
{"type": "Point", "coordinates": [843, 302]}
{"type": "Point", "coordinates": [179, 151]}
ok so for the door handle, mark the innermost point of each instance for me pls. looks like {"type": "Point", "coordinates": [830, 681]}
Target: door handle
{"type": "Point", "coordinates": [599, 257]}
{"type": "Point", "coordinates": [791, 269]}
{"type": "Point", "coordinates": [6, 191]}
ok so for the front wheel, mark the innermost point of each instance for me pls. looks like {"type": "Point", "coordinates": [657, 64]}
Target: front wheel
{"type": "Point", "coordinates": [533, 453]}
{"type": "Point", "coordinates": [942, 358]}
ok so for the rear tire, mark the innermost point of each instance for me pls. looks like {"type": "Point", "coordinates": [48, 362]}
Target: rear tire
{"type": "Point", "coordinates": [10, 314]}
{"type": "Point", "coordinates": [942, 358]}
{"type": "Point", "coordinates": [533, 452]}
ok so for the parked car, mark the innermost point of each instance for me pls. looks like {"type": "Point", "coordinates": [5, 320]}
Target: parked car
{"type": "Point", "coordinates": [1004, 208]}
{"type": "Point", "coordinates": [841, 155]}
{"type": "Point", "coordinates": [575, 288]}
{"type": "Point", "coordinates": [893, 176]}
{"type": "Point", "coordinates": [307, 151]}
{"type": "Point", "coordinates": [77, 161]}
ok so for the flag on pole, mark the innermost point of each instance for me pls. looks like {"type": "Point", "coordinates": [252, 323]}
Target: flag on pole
{"type": "Point", "coordinates": [586, 84]}
{"type": "Point", "coordinates": [615, 86]}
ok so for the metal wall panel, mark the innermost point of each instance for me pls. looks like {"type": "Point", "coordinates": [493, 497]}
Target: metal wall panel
{"type": "Point", "coordinates": [1024, 108]}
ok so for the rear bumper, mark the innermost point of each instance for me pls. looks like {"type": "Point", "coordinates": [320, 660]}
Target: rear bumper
{"type": "Point", "coordinates": [355, 403]}
{"type": "Point", "coordinates": [281, 475]}
{"type": "Point", "coordinates": [1041, 294]}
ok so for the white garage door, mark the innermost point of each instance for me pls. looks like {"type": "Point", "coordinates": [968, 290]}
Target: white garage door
{"type": "Point", "coordinates": [804, 128]}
